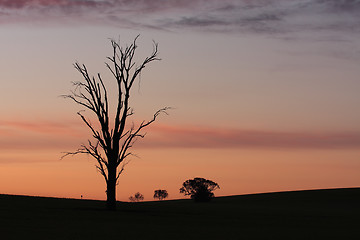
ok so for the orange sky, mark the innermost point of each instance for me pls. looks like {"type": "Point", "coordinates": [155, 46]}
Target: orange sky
{"type": "Point", "coordinates": [239, 164]}
{"type": "Point", "coordinates": [236, 171]}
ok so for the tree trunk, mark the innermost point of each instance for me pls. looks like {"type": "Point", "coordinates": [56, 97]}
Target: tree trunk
{"type": "Point", "coordinates": [111, 190]}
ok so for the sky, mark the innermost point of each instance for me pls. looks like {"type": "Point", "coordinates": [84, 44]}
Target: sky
{"type": "Point", "coordinates": [264, 94]}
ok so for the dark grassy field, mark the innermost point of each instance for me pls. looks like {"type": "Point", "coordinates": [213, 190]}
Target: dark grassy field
{"type": "Point", "coordinates": [315, 214]}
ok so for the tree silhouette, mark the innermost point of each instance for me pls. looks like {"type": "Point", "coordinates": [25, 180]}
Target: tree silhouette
{"type": "Point", "coordinates": [112, 139]}
{"type": "Point", "coordinates": [160, 194]}
{"type": "Point", "coordinates": [137, 197]}
{"type": "Point", "coordinates": [199, 189]}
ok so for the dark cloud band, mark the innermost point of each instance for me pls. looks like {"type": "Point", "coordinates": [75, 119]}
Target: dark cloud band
{"type": "Point", "coordinates": [258, 16]}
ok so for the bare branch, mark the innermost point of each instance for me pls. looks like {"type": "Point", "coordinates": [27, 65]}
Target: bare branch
{"type": "Point", "coordinates": [121, 170]}
{"type": "Point", "coordinates": [93, 151]}
{"type": "Point", "coordinates": [112, 144]}
{"type": "Point", "coordinates": [131, 137]}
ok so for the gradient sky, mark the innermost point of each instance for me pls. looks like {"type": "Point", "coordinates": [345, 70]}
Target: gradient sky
{"type": "Point", "coordinates": [265, 94]}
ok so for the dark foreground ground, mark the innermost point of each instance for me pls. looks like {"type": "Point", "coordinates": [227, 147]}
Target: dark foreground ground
{"type": "Point", "coordinates": [315, 214]}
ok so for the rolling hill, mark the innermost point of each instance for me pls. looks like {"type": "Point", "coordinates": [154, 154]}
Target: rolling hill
{"type": "Point", "coordinates": [311, 214]}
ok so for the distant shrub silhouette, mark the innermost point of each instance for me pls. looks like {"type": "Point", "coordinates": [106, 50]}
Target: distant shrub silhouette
{"type": "Point", "coordinates": [199, 189]}
{"type": "Point", "coordinates": [160, 194]}
{"type": "Point", "coordinates": [137, 197]}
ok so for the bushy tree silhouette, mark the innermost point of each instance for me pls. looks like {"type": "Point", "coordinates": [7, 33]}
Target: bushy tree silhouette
{"type": "Point", "coordinates": [160, 194]}
{"type": "Point", "coordinates": [137, 197]}
{"type": "Point", "coordinates": [199, 189]}
{"type": "Point", "coordinates": [112, 139]}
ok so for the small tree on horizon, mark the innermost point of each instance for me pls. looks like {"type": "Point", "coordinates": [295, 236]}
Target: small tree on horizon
{"type": "Point", "coordinates": [160, 194]}
{"type": "Point", "coordinates": [113, 136]}
{"type": "Point", "coordinates": [199, 189]}
{"type": "Point", "coordinates": [137, 197]}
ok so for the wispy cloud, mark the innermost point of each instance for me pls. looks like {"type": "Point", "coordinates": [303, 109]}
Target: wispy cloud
{"type": "Point", "coordinates": [200, 137]}
{"type": "Point", "coordinates": [42, 127]}
{"type": "Point", "coordinates": [68, 136]}
{"type": "Point", "coordinates": [39, 135]}
{"type": "Point", "coordinates": [239, 16]}
{"type": "Point", "coordinates": [46, 3]}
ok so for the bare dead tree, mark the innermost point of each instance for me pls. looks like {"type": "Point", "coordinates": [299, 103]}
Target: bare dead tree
{"type": "Point", "coordinates": [112, 140]}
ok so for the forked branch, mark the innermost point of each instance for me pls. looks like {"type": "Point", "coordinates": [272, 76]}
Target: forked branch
{"type": "Point", "coordinates": [112, 139]}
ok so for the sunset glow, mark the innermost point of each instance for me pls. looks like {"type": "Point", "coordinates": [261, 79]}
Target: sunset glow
{"type": "Point", "coordinates": [264, 94]}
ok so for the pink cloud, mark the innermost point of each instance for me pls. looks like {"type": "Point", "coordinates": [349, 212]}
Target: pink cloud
{"type": "Point", "coordinates": [201, 137]}
{"type": "Point", "coordinates": [68, 136]}
{"type": "Point", "coordinates": [35, 11]}
{"type": "Point", "coordinates": [43, 127]}
{"type": "Point", "coordinates": [40, 135]}
{"type": "Point", "coordinates": [45, 3]}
